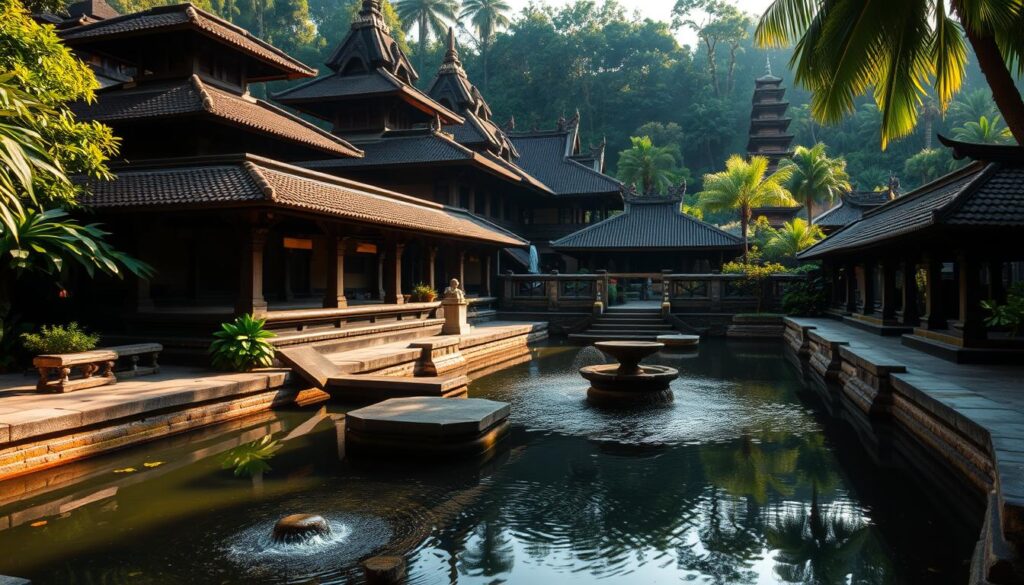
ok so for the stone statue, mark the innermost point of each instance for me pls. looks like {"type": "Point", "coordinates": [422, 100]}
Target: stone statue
{"type": "Point", "coordinates": [454, 292]}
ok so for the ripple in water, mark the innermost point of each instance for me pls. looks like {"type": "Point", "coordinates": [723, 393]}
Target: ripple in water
{"type": "Point", "coordinates": [352, 537]}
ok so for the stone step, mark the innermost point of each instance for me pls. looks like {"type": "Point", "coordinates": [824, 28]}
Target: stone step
{"type": "Point", "coordinates": [631, 319]}
{"type": "Point", "coordinates": [592, 337]}
{"type": "Point", "coordinates": [630, 326]}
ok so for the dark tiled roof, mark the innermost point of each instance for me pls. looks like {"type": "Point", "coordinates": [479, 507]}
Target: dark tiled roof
{"type": "Point", "coordinates": [196, 97]}
{"type": "Point", "coordinates": [851, 208]}
{"type": "Point", "coordinates": [93, 9]}
{"type": "Point", "coordinates": [543, 155]}
{"type": "Point", "coordinates": [426, 147]}
{"type": "Point", "coordinates": [981, 195]}
{"type": "Point", "coordinates": [654, 224]}
{"type": "Point", "coordinates": [249, 179]}
{"type": "Point", "coordinates": [377, 82]}
{"type": "Point", "coordinates": [187, 15]}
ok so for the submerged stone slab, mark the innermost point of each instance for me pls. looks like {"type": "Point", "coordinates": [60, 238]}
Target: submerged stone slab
{"type": "Point", "coordinates": [679, 340]}
{"type": "Point", "coordinates": [428, 425]}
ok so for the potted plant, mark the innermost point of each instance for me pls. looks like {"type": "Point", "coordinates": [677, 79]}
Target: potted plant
{"type": "Point", "coordinates": [57, 339]}
{"type": "Point", "coordinates": [423, 293]}
{"type": "Point", "coordinates": [242, 345]}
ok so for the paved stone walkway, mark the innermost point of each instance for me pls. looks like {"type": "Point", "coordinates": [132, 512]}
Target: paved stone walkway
{"type": "Point", "coordinates": [1000, 383]}
{"type": "Point", "coordinates": [25, 413]}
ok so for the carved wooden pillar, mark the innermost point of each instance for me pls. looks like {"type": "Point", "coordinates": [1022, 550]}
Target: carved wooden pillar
{"type": "Point", "coordinates": [393, 274]}
{"type": "Point", "coordinates": [889, 299]}
{"type": "Point", "coordinates": [453, 194]}
{"type": "Point", "coordinates": [462, 270]}
{"type": "Point", "coordinates": [971, 318]}
{"type": "Point", "coordinates": [381, 257]}
{"type": "Point", "coordinates": [935, 314]}
{"type": "Point", "coordinates": [851, 287]}
{"type": "Point", "coordinates": [487, 276]}
{"type": "Point", "coordinates": [432, 267]}
{"type": "Point", "coordinates": [250, 292]}
{"type": "Point", "coordinates": [334, 297]}
{"type": "Point", "coordinates": [868, 287]}
{"type": "Point", "coordinates": [909, 315]}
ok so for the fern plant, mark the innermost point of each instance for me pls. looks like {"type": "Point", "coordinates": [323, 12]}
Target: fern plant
{"type": "Point", "coordinates": [251, 459]}
{"type": "Point", "coordinates": [242, 345]}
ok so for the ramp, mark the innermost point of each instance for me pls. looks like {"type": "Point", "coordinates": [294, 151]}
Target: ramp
{"type": "Point", "coordinates": [319, 371]}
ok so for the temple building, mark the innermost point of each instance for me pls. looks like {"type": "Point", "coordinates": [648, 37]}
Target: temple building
{"type": "Point", "coordinates": [920, 265]}
{"type": "Point", "coordinates": [249, 231]}
{"type": "Point", "coordinates": [651, 235]}
{"type": "Point", "coordinates": [770, 136]}
{"type": "Point", "coordinates": [444, 145]}
{"type": "Point", "coordinates": [853, 205]}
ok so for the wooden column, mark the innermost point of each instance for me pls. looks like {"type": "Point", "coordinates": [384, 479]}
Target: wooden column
{"type": "Point", "coordinates": [250, 291]}
{"type": "Point", "coordinates": [334, 297]}
{"type": "Point", "coordinates": [432, 267]}
{"type": "Point", "coordinates": [935, 315]}
{"type": "Point", "coordinates": [381, 257]}
{"type": "Point", "coordinates": [889, 299]}
{"type": "Point", "coordinates": [487, 276]}
{"type": "Point", "coordinates": [971, 318]}
{"type": "Point", "coordinates": [462, 270]}
{"type": "Point", "coordinates": [867, 291]}
{"type": "Point", "coordinates": [909, 316]}
{"type": "Point", "coordinates": [393, 273]}
{"type": "Point", "coordinates": [453, 194]}
{"type": "Point", "coordinates": [487, 204]}
{"type": "Point", "coordinates": [851, 287]}
{"type": "Point", "coordinates": [472, 200]}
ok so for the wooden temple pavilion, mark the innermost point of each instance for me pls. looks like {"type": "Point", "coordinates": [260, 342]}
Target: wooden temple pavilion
{"type": "Point", "coordinates": [960, 235]}
{"type": "Point", "coordinates": [651, 235]}
{"type": "Point", "coordinates": [851, 207]}
{"type": "Point", "coordinates": [444, 141]}
{"type": "Point", "coordinates": [206, 191]}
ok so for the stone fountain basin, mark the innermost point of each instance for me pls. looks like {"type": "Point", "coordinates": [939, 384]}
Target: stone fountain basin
{"type": "Point", "coordinates": [648, 379]}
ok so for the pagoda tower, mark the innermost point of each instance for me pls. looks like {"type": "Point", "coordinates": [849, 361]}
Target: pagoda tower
{"type": "Point", "coordinates": [769, 125]}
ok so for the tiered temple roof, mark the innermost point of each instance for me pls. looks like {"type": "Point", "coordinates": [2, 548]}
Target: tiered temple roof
{"type": "Point", "coordinates": [650, 223]}
{"type": "Point", "coordinates": [769, 125]}
{"type": "Point", "coordinates": [852, 207]}
{"type": "Point", "coordinates": [988, 194]}
{"type": "Point", "coordinates": [241, 181]}
{"type": "Point", "coordinates": [368, 66]}
{"type": "Point", "coordinates": [453, 89]}
{"type": "Point", "coordinates": [556, 158]}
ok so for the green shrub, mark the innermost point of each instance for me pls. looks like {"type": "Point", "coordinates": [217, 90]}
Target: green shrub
{"type": "Point", "coordinates": [242, 345]}
{"type": "Point", "coordinates": [805, 298]}
{"type": "Point", "coordinates": [59, 339]}
{"type": "Point", "coordinates": [1010, 315]}
{"type": "Point", "coordinates": [423, 293]}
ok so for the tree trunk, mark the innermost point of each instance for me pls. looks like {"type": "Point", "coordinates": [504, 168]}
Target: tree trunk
{"type": "Point", "coordinates": [712, 68]}
{"type": "Point", "coordinates": [809, 203]}
{"type": "Point", "coordinates": [483, 51]}
{"type": "Point", "coordinates": [744, 222]}
{"type": "Point", "coordinates": [423, 44]}
{"type": "Point", "coordinates": [1004, 92]}
{"type": "Point", "coordinates": [928, 120]}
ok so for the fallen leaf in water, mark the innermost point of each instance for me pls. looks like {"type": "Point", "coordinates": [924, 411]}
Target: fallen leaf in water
{"type": "Point", "coordinates": [126, 470]}
{"type": "Point", "coordinates": [152, 464]}
{"type": "Point", "coordinates": [134, 573]}
{"type": "Point", "coordinates": [38, 524]}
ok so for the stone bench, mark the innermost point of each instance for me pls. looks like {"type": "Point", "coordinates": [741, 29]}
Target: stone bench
{"type": "Point", "coordinates": [99, 367]}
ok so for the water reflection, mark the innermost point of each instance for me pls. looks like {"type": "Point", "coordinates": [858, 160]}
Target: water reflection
{"type": "Point", "coordinates": [735, 482]}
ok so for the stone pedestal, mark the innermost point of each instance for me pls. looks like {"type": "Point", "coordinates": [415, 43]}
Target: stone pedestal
{"type": "Point", "coordinates": [456, 311]}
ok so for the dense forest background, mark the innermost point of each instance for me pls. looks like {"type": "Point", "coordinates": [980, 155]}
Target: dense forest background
{"type": "Point", "coordinates": [627, 76]}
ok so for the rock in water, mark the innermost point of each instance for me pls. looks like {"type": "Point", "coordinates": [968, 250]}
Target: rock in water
{"type": "Point", "coordinates": [384, 570]}
{"type": "Point", "coordinates": [299, 528]}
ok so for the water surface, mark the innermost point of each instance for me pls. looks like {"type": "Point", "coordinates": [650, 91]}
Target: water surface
{"type": "Point", "coordinates": [743, 479]}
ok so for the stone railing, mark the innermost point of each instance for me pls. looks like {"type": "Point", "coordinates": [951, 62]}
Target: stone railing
{"type": "Point", "coordinates": [684, 293]}
{"type": "Point", "coordinates": [724, 293]}
{"type": "Point", "coordinates": [552, 292]}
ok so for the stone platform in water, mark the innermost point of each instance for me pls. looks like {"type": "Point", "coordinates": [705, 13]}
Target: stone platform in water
{"type": "Point", "coordinates": [677, 341]}
{"type": "Point", "coordinates": [429, 426]}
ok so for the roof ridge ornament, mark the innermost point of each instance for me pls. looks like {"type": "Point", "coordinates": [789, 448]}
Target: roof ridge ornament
{"type": "Point", "coordinates": [768, 64]}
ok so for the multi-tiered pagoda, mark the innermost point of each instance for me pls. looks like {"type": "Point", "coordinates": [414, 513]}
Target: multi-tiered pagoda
{"type": "Point", "coordinates": [769, 125]}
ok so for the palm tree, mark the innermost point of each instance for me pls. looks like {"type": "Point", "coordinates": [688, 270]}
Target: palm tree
{"type": "Point", "coordinates": [794, 237]}
{"type": "Point", "coordinates": [846, 47]}
{"type": "Point", "coordinates": [646, 166]}
{"type": "Point", "coordinates": [816, 177]}
{"type": "Point", "coordinates": [430, 16]}
{"type": "Point", "coordinates": [973, 105]}
{"type": "Point", "coordinates": [742, 186]}
{"type": "Point", "coordinates": [984, 131]}
{"type": "Point", "coordinates": [487, 16]}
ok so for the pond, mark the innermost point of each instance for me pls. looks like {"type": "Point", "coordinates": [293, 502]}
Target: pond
{"type": "Point", "coordinates": [745, 478]}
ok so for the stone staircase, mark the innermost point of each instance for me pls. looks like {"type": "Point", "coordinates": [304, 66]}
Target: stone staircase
{"type": "Point", "coordinates": [625, 324]}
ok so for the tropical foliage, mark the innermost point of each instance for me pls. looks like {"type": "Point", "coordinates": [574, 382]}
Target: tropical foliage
{"type": "Point", "coordinates": [242, 345]}
{"type": "Point", "coordinates": [984, 131]}
{"type": "Point", "coordinates": [844, 48]}
{"type": "Point", "coordinates": [792, 238]}
{"type": "Point", "coordinates": [816, 178]}
{"type": "Point", "coordinates": [1009, 314]}
{"type": "Point", "coordinates": [432, 18]}
{"type": "Point", "coordinates": [487, 17]}
{"type": "Point", "coordinates": [741, 187]}
{"type": "Point", "coordinates": [52, 339]}
{"type": "Point", "coordinates": [649, 168]}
